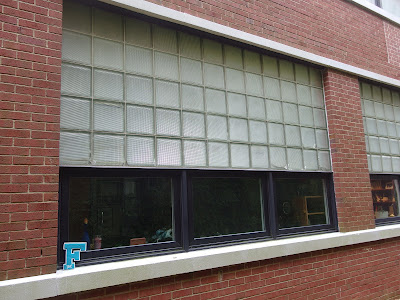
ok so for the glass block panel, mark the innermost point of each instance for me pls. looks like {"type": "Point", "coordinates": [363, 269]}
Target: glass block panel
{"type": "Point", "coordinates": [108, 25]}
{"type": "Point", "coordinates": [258, 132]}
{"type": "Point", "coordinates": [278, 158]}
{"type": "Point", "coordinates": [256, 108]}
{"type": "Point", "coordinates": [389, 113]}
{"type": "Point", "coordinates": [386, 97]}
{"type": "Point", "coordinates": [140, 119]}
{"type": "Point", "coordinates": [237, 104]}
{"type": "Point", "coordinates": [322, 139]}
{"type": "Point", "coordinates": [138, 32]}
{"type": "Point", "coordinates": [290, 113]}
{"type": "Point", "coordinates": [212, 51]}
{"type": "Point", "coordinates": [306, 116]}
{"type": "Point", "coordinates": [108, 54]}
{"type": "Point", "coordinates": [369, 109]}
{"type": "Point", "coordinates": [376, 93]}
{"type": "Point", "coordinates": [238, 130]}
{"type": "Point", "coordinates": [108, 150]}
{"type": "Point", "coordinates": [376, 163]}
{"type": "Point", "coordinates": [301, 72]}
{"type": "Point", "coordinates": [317, 97]}
{"type": "Point", "coordinates": [233, 57]}
{"type": "Point", "coordinates": [215, 101]}
{"type": "Point", "coordinates": [275, 133]}
{"type": "Point", "coordinates": [193, 125]}
{"type": "Point", "coordinates": [315, 77]}
{"type": "Point", "coordinates": [76, 80]}
{"type": "Point", "coordinates": [367, 144]}
{"type": "Point", "coordinates": [379, 112]}
{"type": "Point", "coordinates": [192, 97]}
{"type": "Point", "coordinates": [76, 47]}
{"type": "Point", "coordinates": [304, 94]}
{"type": "Point", "coordinates": [259, 156]}
{"type": "Point", "coordinates": [384, 143]}
{"type": "Point", "coordinates": [288, 90]}
{"type": "Point", "coordinates": [194, 153]}
{"type": "Point", "coordinates": [139, 89]}
{"type": "Point", "coordinates": [168, 122]}
{"type": "Point", "coordinates": [189, 45]}
{"type": "Point", "coordinates": [167, 93]}
{"type": "Point", "coordinates": [235, 80]}
{"type": "Point", "coordinates": [308, 137]}
{"type": "Point", "coordinates": [252, 62]}
{"type": "Point", "coordinates": [396, 164]}
{"type": "Point", "coordinates": [274, 110]}
{"type": "Point", "coordinates": [217, 128]}
{"type": "Point", "coordinates": [254, 85]}
{"type": "Point", "coordinates": [166, 66]}
{"type": "Point", "coordinates": [74, 148]}
{"type": "Point", "coordinates": [214, 76]}
{"type": "Point", "coordinates": [396, 113]}
{"type": "Point", "coordinates": [77, 17]}
{"type": "Point", "coordinates": [391, 128]}
{"type": "Point", "coordinates": [218, 155]}
{"type": "Point", "coordinates": [396, 98]}
{"type": "Point", "coordinates": [108, 85]}
{"type": "Point", "coordinates": [310, 160]}
{"type": "Point", "coordinates": [272, 88]}
{"type": "Point", "coordinates": [386, 164]}
{"type": "Point", "coordinates": [240, 156]}
{"type": "Point", "coordinates": [324, 160]}
{"type": "Point", "coordinates": [108, 117]}
{"type": "Point", "coordinates": [394, 147]}
{"type": "Point", "coordinates": [75, 113]}
{"type": "Point", "coordinates": [169, 152]}
{"type": "Point", "coordinates": [165, 39]}
{"type": "Point", "coordinates": [366, 90]}
{"type": "Point", "coordinates": [140, 151]}
{"type": "Point", "coordinates": [374, 144]}
{"type": "Point", "coordinates": [382, 129]}
{"type": "Point", "coordinates": [139, 60]}
{"type": "Point", "coordinates": [295, 159]}
{"type": "Point", "coordinates": [286, 70]}
{"type": "Point", "coordinates": [292, 135]}
{"type": "Point", "coordinates": [191, 71]}
{"type": "Point", "coordinates": [319, 118]}
{"type": "Point", "coordinates": [270, 66]}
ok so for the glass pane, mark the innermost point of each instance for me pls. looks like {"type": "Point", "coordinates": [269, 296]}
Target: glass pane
{"type": "Point", "coordinates": [385, 195]}
{"type": "Point", "coordinates": [324, 160]}
{"type": "Point", "coordinates": [192, 97]}
{"type": "Point", "coordinates": [189, 45]}
{"type": "Point", "coordinates": [317, 97]}
{"type": "Point", "coordinates": [140, 151]}
{"type": "Point", "coordinates": [74, 148]}
{"type": "Point", "coordinates": [237, 104]}
{"type": "Point", "coordinates": [168, 122]}
{"type": "Point", "coordinates": [292, 134]}
{"type": "Point", "coordinates": [252, 61]}
{"type": "Point", "coordinates": [215, 101]}
{"type": "Point", "coordinates": [301, 72]}
{"type": "Point", "coordinates": [137, 32]}
{"type": "Point", "coordinates": [108, 117]}
{"type": "Point", "coordinates": [191, 71]}
{"type": "Point", "coordinates": [214, 76]}
{"type": "Point", "coordinates": [290, 113]}
{"type": "Point", "coordinates": [140, 119]}
{"type": "Point", "coordinates": [278, 158]}
{"type": "Point", "coordinates": [272, 88]}
{"type": "Point", "coordinates": [108, 150]}
{"type": "Point", "coordinates": [315, 77]}
{"type": "Point", "coordinates": [254, 84]}
{"type": "Point", "coordinates": [233, 57]}
{"type": "Point", "coordinates": [310, 160]}
{"type": "Point", "coordinates": [270, 66]}
{"type": "Point", "coordinates": [212, 51]}
{"type": "Point", "coordinates": [193, 125]}
{"type": "Point", "coordinates": [258, 132]}
{"type": "Point", "coordinates": [76, 80]}
{"type": "Point", "coordinates": [167, 93]}
{"type": "Point", "coordinates": [108, 54]}
{"type": "Point", "coordinates": [166, 66]}
{"type": "Point", "coordinates": [274, 111]}
{"type": "Point", "coordinates": [139, 89]}
{"type": "Point", "coordinates": [77, 17]}
{"type": "Point", "coordinates": [256, 108]}
{"type": "Point", "coordinates": [75, 113]}
{"type": "Point", "coordinates": [139, 60]}
{"type": "Point", "coordinates": [276, 135]}
{"type": "Point", "coordinates": [259, 157]}
{"type": "Point", "coordinates": [165, 39]}
{"type": "Point", "coordinates": [306, 116]}
{"type": "Point", "coordinates": [286, 70]}
{"type": "Point", "coordinates": [295, 159]}
{"type": "Point", "coordinates": [240, 156]}
{"type": "Point", "coordinates": [369, 108]}
{"type": "Point", "coordinates": [304, 94]}
{"type": "Point", "coordinates": [217, 128]}
{"type": "Point", "coordinates": [108, 85]}
{"type": "Point", "coordinates": [169, 152]}
{"type": "Point", "coordinates": [235, 80]}
{"type": "Point", "coordinates": [107, 24]}
{"type": "Point", "coordinates": [76, 47]}
{"type": "Point", "coordinates": [218, 154]}
{"type": "Point", "coordinates": [194, 153]}
{"type": "Point", "coordinates": [288, 90]}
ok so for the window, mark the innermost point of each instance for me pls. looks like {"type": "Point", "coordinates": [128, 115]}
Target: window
{"type": "Point", "coordinates": [385, 196]}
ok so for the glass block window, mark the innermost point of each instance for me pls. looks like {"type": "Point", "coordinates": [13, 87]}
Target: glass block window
{"type": "Point", "coordinates": [381, 111]}
{"type": "Point", "coordinates": [140, 94]}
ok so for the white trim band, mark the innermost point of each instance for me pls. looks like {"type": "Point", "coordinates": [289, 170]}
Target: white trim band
{"type": "Point", "coordinates": [109, 274]}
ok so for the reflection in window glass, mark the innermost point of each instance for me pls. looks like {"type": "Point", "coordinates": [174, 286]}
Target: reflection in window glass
{"type": "Point", "coordinates": [301, 202]}
{"type": "Point", "coordinates": [224, 206]}
{"type": "Point", "coordinates": [113, 212]}
{"type": "Point", "coordinates": [385, 196]}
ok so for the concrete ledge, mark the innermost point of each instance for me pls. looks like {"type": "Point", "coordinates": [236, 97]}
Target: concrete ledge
{"type": "Point", "coordinates": [109, 274]}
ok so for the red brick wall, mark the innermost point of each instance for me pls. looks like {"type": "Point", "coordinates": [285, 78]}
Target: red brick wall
{"type": "Point", "coordinates": [30, 67]}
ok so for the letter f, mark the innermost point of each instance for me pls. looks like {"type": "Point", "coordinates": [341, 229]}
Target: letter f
{"type": "Point", "coordinates": [73, 254]}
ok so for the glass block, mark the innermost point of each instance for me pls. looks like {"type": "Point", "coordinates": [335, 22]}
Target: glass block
{"type": "Point", "coordinates": [234, 80]}
{"type": "Point", "coordinates": [259, 156]}
{"type": "Point", "coordinates": [218, 155]}
{"type": "Point", "coordinates": [315, 77]}
{"type": "Point", "coordinates": [168, 122]}
{"type": "Point", "coordinates": [396, 164]}
{"type": "Point", "coordinates": [272, 88]}
{"type": "Point", "coordinates": [374, 144]}
{"type": "Point", "coordinates": [108, 117]}
{"type": "Point", "coordinates": [108, 54]}
{"type": "Point", "coordinates": [295, 159]}
{"type": "Point", "coordinates": [258, 132]}
{"type": "Point", "coordinates": [76, 47]}
{"type": "Point", "coordinates": [278, 158]}
{"type": "Point", "coordinates": [212, 51]}
{"type": "Point", "coordinates": [75, 113]}
{"type": "Point", "coordinates": [324, 160]}
{"type": "Point", "coordinates": [396, 98]}
{"type": "Point", "coordinates": [306, 116]}
{"type": "Point", "coordinates": [108, 25]}
{"type": "Point", "coordinates": [193, 125]}
{"type": "Point", "coordinates": [189, 45]}
{"type": "Point", "coordinates": [396, 113]}
{"type": "Point", "coordinates": [140, 119]}
{"type": "Point", "coordinates": [108, 150]}
{"type": "Point", "coordinates": [308, 137]}
{"type": "Point", "coordinates": [237, 104]}
{"type": "Point", "coordinates": [167, 93]}
{"type": "Point", "coordinates": [217, 128]}
{"type": "Point", "coordinates": [319, 118]}
{"type": "Point", "coordinates": [310, 160]}
{"type": "Point", "coordinates": [108, 85]}
{"type": "Point", "coordinates": [166, 66]}
{"type": "Point", "coordinates": [391, 128]}
{"type": "Point", "coordinates": [290, 113]}
{"type": "Point", "coordinates": [74, 148]}
{"type": "Point", "coordinates": [288, 90]}
{"type": "Point", "coordinates": [394, 147]}
{"type": "Point", "coordinates": [286, 70]}
{"type": "Point", "coordinates": [138, 32]}
{"type": "Point", "coordinates": [240, 156]}
{"type": "Point", "coordinates": [233, 57]}
{"type": "Point", "coordinates": [139, 60]}
{"type": "Point", "coordinates": [301, 72]}
{"type": "Point", "coordinates": [215, 101]}
{"type": "Point", "coordinates": [164, 39]}
{"type": "Point", "coordinates": [398, 130]}
{"type": "Point", "coordinates": [379, 112]}
{"type": "Point", "coordinates": [376, 163]}
{"type": "Point", "coordinates": [322, 139]}
{"type": "Point", "coordinates": [376, 93]}
{"type": "Point", "coordinates": [275, 133]}
{"type": "Point", "coordinates": [389, 113]}
{"type": "Point", "coordinates": [192, 97]}
{"type": "Point", "coordinates": [140, 151]}
{"type": "Point", "coordinates": [214, 76]}
{"type": "Point", "coordinates": [169, 152]}
{"type": "Point", "coordinates": [274, 110]}
{"type": "Point", "coordinates": [366, 90]}
{"type": "Point", "coordinates": [238, 130]}
{"type": "Point", "coordinates": [292, 135]}
{"type": "Point", "coordinates": [139, 89]}
{"type": "Point", "coordinates": [382, 129]}
{"type": "Point", "coordinates": [386, 97]}
{"type": "Point", "coordinates": [367, 144]}
{"type": "Point", "coordinates": [317, 97]}
{"type": "Point", "coordinates": [304, 94]}
{"type": "Point", "coordinates": [369, 163]}
{"type": "Point", "coordinates": [252, 62]}
{"type": "Point", "coordinates": [76, 80]}
{"type": "Point", "coordinates": [369, 109]}
{"type": "Point", "coordinates": [194, 153]}
{"type": "Point", "coordinates": [254, 85]}
{"type": "Point", "coordinates": [191, 71]}
{"type": "Point", "coordinates": [256, 108]}
{"type": "Point", "coordinates": [386, 164]}
{"type": "Point", "coordinates": [77, 17]}
{"type": "Point", "coordinates": [384, 144]}
{"type": "Point", "coordinates": [270, 66]}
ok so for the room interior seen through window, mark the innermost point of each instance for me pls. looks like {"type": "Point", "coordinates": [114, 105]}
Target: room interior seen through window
{"type": "Point", "coordinates": [385, 196]}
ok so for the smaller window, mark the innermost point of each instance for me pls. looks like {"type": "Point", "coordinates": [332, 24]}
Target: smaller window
{"type": "Point", "coordinates": [385, 197]}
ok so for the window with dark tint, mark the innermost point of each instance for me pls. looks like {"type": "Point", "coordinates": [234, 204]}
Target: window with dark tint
{"type": "Point", "coordinates": [385, 196]}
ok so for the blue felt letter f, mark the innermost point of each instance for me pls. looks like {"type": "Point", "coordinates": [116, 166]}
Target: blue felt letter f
{"type": "Point", "coordinates": [73, 254]}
